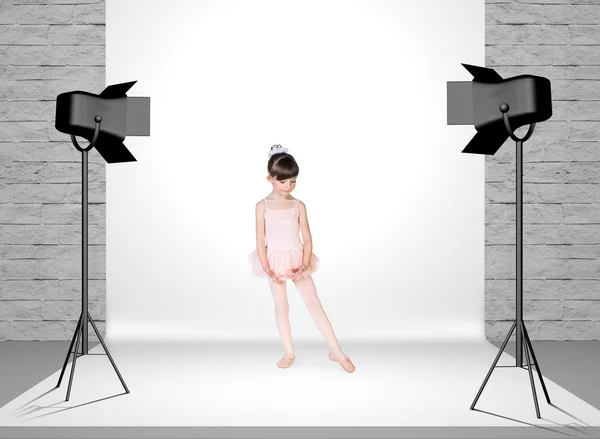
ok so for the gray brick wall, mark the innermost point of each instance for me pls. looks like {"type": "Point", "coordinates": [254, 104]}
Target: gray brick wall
{"type": "Point", "coordinates": [558, 39]}
{"type": "Point", "coordinates": [48, 47]}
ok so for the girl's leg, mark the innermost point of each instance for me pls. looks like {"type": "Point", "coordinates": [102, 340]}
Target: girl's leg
{"type": "Point", "coordinates": [282, 315]}
{"type": "Point", "coordinates": [307, 289]}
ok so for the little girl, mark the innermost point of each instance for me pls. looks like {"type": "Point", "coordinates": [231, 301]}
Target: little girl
{"type": "Point", "coordinates": [280, 255]}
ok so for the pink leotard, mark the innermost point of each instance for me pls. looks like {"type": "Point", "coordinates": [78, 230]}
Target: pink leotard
{"type": "Point", "coordinates": [284, 248]}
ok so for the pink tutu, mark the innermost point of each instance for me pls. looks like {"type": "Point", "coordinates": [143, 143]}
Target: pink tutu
{"type": "Point", "coordinates": [282, 262]}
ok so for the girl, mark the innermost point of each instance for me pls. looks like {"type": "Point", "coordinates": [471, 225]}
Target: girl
{"type": "Point", "coordinates": [280, 255]}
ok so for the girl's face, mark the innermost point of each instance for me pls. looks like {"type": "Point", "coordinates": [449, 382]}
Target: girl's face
{"type": "Point", "coordinates": [284, 187]}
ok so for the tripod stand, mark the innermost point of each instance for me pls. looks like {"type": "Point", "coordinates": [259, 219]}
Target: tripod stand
{"type": "Point", "coordinates": [519, 324]}
{"type": "Point", "coordinates": [82, 324]}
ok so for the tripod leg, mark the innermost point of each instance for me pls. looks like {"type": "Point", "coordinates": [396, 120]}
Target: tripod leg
{"type": "Point", "coordinates": [494, 364]}
{"type": "Point", "coordinates": [537, 408]}
{"type": "Point", "coordinates": [537, 366]}
{"type": "Point", "coordinates": [69, 353]}
{"type": "Point", "coordinates": [107, 353]}
{"type": "Point", "coordinates": [74, 360]}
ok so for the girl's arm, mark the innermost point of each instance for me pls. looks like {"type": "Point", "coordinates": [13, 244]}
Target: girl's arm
{"type": "Point", "coordinates": [306, 236]}
{"type": "Point", "coordinates": [307, 253]}
{"type": "Point", "coordinates": [261, 248]}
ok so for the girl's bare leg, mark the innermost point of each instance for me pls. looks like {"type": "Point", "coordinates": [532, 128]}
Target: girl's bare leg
{"type": "Point", "coordinates": [308, 290]}
{"type": "Point", "coordinates": [282, 318]}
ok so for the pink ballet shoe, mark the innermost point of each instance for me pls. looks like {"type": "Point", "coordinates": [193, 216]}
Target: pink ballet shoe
{"type": "Point", "coordinates": [285, 362]}
{"type": "Point", "coordinates": [345, 363]}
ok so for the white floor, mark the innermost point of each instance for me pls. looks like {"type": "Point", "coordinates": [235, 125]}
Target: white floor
{"type": "Point", "coordinates": [226, 384]}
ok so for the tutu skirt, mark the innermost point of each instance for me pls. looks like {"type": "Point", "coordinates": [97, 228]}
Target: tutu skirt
{"type": "Point", "coordinates": [282, 262]}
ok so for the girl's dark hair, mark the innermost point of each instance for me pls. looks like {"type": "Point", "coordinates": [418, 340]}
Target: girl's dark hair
{"type": "Point", "coordinates": [282, 166]}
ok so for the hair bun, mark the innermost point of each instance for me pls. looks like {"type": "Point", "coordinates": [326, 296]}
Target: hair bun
{"type": "Point", "coordinates": [276, 149]}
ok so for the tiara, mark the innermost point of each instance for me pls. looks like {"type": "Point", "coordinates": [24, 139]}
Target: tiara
{"type": "Point", "coordinates": [276, 149]}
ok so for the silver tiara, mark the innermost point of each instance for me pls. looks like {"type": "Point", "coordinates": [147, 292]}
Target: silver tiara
{"type": "Point", "coordinates": [276, 149]}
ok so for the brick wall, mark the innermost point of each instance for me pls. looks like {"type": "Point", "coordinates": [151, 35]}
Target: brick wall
{"type": "Point", "coordinates": [558, 39]}
{"type": "Point", "coordinates": [49, 47]}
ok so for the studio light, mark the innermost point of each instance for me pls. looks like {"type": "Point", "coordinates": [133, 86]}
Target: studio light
{"type": "Point", "coordinates": [104, 120]}
{"type": "Point", "coordinates": [485, 103]}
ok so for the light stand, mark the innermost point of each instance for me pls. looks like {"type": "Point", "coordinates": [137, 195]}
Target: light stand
{"type": "Point", "coordinates": [82, 324]}
{"type": "Point", "coordinates": [104, 120]}
{"type": "Point", "coordinates": [518, 323]}
{"type": "Point", "coordinates": [476, 103]}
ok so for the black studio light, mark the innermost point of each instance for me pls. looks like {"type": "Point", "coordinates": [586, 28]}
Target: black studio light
{"type": "Point", "coordinates": [104, 120]}
{"type": "Point", "coordinates": [485, 102]}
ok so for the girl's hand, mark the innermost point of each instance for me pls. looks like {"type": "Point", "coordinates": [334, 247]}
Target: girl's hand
{"type": "Point", "coordinates": [271, 274]}
{"type": "Point", "coordinates": [298, 271]}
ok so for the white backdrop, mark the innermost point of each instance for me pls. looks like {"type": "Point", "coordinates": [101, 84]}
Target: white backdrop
{"type": "Point", "coordinates": [356, 90]}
